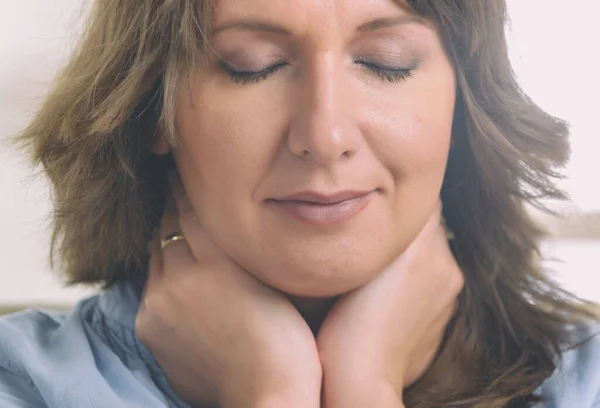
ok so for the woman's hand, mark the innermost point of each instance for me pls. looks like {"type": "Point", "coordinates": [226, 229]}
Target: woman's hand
{"type": "Point", "coordinates": [383, 336]}
{"type": "Point", "coordinates": [222, 337]}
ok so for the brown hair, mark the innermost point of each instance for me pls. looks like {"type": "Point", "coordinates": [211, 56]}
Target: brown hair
{"type": "Point", "coordinates": [117, 94]}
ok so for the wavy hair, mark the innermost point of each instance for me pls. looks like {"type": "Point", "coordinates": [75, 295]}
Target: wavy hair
{"type": "Point", "coordinates": [117, 94]}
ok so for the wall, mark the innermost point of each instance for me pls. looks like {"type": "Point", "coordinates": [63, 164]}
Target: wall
{"type": "Point", "coordinates": [552, 46]}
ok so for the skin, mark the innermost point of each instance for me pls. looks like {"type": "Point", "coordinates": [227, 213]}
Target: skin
{"type": "Point", "coordinates": [325, 123]}
{"type": "Point", "coordinates": [225, 339]}
{"type": "Point", "coordinates": [377, 290]}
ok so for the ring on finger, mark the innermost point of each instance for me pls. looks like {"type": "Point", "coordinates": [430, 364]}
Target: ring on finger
{"type": "Point", "coordinates": [176, 236]}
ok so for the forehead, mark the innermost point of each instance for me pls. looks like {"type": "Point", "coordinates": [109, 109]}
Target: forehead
{"type": "Point", "coordinates": [301, 14]}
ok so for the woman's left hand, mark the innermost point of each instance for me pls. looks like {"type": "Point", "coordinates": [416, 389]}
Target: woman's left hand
{"type": "Point", "coordinates": [380, 338]}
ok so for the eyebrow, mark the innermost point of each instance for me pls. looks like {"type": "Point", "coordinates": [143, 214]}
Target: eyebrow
{"type": "Point", "coordinates": [258, 25]}
{"type": "Point", "coordinates": [250, 25]}
{"type": "Point", "coordinates": [387, 22]}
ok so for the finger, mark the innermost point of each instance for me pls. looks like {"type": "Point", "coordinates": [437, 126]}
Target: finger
{"type": "Point", "coordinates": [436, 217]}
{"type": "Point", "coordinates": [155, 264]}
{"type": "Point", "coordinates": [203, 249]}
{"type": "Point", "coordinates": [155, 270]}
{"type": "Point", "coordinates": [176, 253]}
{"type": "Point", "coordinates": [435, 236]}
{"type": "Point", "coordinates": [182, 201]}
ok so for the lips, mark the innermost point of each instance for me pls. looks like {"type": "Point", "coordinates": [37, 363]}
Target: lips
{"type": "Point", "coordinates": [318, 198]}
{"type": "Point", "coordinates": [324, 209]}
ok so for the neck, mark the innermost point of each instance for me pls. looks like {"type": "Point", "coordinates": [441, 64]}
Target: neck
{"type": "Point", "coordinates": [313, 310]}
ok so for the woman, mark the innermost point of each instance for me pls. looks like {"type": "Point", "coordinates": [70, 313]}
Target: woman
{"type": "Point", "coordinates": [288, 161]}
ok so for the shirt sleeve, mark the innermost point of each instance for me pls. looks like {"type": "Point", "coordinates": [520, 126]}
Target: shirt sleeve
{"type": "Point", "coordinates": [576, 381]}
{"type": "Point", "coordinates": [595, 371]}
{"type": "Point", "coordinates": [587, 369]}
{"type": "Point", "coordinates": [16, 393]}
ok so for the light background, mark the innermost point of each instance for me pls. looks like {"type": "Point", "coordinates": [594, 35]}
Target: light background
{"type": "Point", "coordinates": [555, 48]}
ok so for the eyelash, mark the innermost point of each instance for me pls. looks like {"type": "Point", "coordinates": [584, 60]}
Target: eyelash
{"type": "Point", "coordinates": [252, 77]}
{"type": "Point", "coordinates": [390, 74]}
{"type": "Point", "coordinates": [394, 75]}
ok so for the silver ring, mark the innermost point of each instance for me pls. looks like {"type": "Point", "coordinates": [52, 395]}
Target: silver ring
{"type": "Point", "coordinates": [176, 236]}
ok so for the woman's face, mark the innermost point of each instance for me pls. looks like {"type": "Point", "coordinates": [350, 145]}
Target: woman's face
{"type": "Point", "coordinates": [313, 147]}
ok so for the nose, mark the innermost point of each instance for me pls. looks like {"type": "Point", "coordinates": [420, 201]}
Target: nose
{"type": "Point", "coordinates": [324, 128]}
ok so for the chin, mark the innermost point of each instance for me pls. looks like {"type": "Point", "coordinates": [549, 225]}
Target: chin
{"type": "Point", "coordinates": [321, 280]}
{"type": "Point", "coordinates": [323, 266]}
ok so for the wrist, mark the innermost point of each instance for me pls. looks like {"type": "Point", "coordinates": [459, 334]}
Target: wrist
{"type": "Point", "coordinates": [297, 386]}
{"type": "Point", "coordinates": [360, 391]}
{"type": "Point", "coordinates": [304, 393]}
{"type": "Point", "coordinates": [387, 397]}
{"type": "Point", "coordinates": [288, 401]}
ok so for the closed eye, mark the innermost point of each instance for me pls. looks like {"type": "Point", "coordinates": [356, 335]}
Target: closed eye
{"type": "Point", "coordinates": [391, 74]}
{"type": "Point", "coordinates": [249, 77]}
{"type": "Point", "coordinates": [386, 73]}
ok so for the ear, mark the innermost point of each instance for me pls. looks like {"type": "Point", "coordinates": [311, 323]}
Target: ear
{"type": "Point", "coordinates": [160, 145]}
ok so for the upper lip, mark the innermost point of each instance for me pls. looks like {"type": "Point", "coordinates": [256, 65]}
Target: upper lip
{"type": "Point", "coordinates": [324, 198]}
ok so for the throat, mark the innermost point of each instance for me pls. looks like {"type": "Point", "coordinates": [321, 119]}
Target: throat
{"type": "Point", "coordinates": [313, 310]}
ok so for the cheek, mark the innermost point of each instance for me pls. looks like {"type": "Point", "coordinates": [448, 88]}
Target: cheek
{"type": "Point", "coordinates": [412, 138]}
{"type": "Point", "coordinates": [227, 143]}
{"type": "Point", "coordinates": [415, 122]}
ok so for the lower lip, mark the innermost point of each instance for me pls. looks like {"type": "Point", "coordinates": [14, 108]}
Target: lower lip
{"type": "Point", "coordinates": [325, 214]}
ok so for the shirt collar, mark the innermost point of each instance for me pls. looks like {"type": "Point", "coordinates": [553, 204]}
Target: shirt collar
{"type": "Point", "coordinates": [121, 301]}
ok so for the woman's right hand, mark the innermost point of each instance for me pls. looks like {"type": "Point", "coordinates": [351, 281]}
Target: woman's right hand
{"type": "Point", "coordinates": [222, 337]}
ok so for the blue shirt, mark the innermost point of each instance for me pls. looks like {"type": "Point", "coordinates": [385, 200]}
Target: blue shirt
{"type": "Point", "coordinates": [91, 358]}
